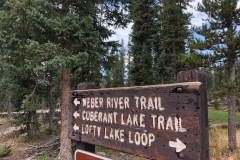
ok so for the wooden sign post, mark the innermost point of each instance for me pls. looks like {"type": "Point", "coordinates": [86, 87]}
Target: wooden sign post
{"type": "Point", "coordinates": [162, 122]}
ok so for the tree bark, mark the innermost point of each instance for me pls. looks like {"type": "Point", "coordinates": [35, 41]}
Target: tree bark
{"type": "Point", "coordinates": [51, 108]}
{"type": "Point", "coordinates": [231, 101]}
{"type": "Point", "coordinates": [28, 123]}
{"type": "Point", "coordinates": [9, 107]}
{"type": "Point", "coordinates": [65, 147]}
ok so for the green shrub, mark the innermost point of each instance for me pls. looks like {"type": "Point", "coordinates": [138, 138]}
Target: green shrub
{"type": "Point", "coordinates": [45, 158]}
{"type": "Point", "coordinates": [5, 151]}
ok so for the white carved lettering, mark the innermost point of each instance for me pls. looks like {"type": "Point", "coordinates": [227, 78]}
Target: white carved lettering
{"type": "Point", "coordinates": [105, 133]}
{"type": "Point", "coordinates": [122, 121]}
{"type": "Point", "coordinates": [153, 120]}
{"type": "Point", "coordinates": [178, 125]}
{"type": "Point", "coordinates": [151, 138]}
{"type": "Point", "coordinates": [130, 137]}
{"type": "Point", "coordinates": [136, 98]}
{"type": "Point", "coordinates": [137, 138]}
{"type": "Point", "coordinates": [84, 102]}
{"type": "Point", "coordinates": [142, 124]}
{"type": "Point", "coordinates": [90, 130]}
{"type": "Point", "coordinates": [143, 102]}
{"type": "Point", "coordinates": [114, 134]}
{"type": "Point", "coordinates": [133, 120]}
{"type": "Point", "coordinates": [105, 118]}
{"type": "Point", "coordinates": [88, 102]}
{"type": "Point", "coordinates": [145, 139]}
{"type": "Point", "coordinates": [101, 102]}
{"type": "Point", "coordinates": [169, 124]}
{"type": "Point", "coordinates": [121, 135]}
{"type": "Point", "coordinates": [149, 103]}
{"type": "Point", "coordinates": [120, 100]}
{"type": "Point", "coordinates": [129, 120]}
{"type": "Point", "coordinates": [159, 123]}
{"type": "Point", "coordinates": [96, 102]}
{"type": "Point", "coordinates": [126, 102]}
{"type": "Point", "coordinates": [92, 102]}
{"type": "Point", "coordinates": [99, 131]}
{"type": "Point", "coordinates": [115, 102]}
{"type": "Point", "coordinates": [160, 104]}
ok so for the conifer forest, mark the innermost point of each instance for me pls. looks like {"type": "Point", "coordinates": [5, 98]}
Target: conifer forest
{"type": "Point", "coordinates": [48, 47]}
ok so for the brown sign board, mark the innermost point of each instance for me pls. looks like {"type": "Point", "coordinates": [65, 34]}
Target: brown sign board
{"type": "Point", "coordinates": [84, 155]}
{"type": "Point", "coordinates": [162, 122]}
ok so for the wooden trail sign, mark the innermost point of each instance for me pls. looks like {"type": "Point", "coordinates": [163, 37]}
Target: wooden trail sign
{"type": "Point", "coordinates": [158, 122]}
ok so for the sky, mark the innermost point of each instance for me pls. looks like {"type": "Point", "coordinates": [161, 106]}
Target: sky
{"type": "Point", "coordinates": [197, 20]}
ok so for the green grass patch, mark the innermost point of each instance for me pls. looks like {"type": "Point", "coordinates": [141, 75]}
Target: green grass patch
{"type": "Point", "coordinates": [216, 117]}
{"type": "Point", "coordinates": [45, 158]}
{"type": "Point", "coordinates": [4, 120]}
{"type": "Point", "coordinates": [5, 151]}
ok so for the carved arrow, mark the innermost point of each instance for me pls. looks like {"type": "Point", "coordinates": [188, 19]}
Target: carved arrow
{"type": "Point", "coordinates": [76, 114]}
{"type": "Point", "coordinates": [75, 127]}
{"type": "Point", "coordinates": [178, 144]}
{"type": "Point", "coordinates": [76, 102]}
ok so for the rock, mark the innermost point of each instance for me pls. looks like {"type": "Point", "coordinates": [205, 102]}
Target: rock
{"type": "Point", "coordinates": [102, 153]}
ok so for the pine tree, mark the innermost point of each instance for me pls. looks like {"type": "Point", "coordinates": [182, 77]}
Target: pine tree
{"type": "Point", "coordinates": [174, 32]}
{"type": "Point", "coordinates": [141, 49]}
{"type": "Point", "coordinates": [17, 79]}
{"type": "Point", "coordinates": [115, 68]}
{"type": "Point", "coordinates": [221, 44]}
{"type": "Point", "coordinates": [119, 68]}
{"type": "Point", "coordinates": [38, 35]}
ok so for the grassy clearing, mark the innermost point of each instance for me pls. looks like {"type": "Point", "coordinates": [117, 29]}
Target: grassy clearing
{"type": "Point", "coordinates": [218, 139]}
{"type": "Point", "coordinates": [215, 116]}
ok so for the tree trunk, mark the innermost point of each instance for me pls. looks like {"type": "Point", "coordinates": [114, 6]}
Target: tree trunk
{"type": "Point", "coordinates": [34, 121]}
{"type": "Point", "coordinates": [51, 108]}
{"type": "Point", "coordinates": [9, 107]}
{"type": "Point", "coordinates": [65, 147]}
{"type": "Point", "coordinates": [28, 123]}
{"type": "Point", "coordinates": [231, 101]}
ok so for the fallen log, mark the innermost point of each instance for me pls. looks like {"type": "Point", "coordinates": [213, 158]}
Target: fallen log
{"type": "Point", "coordinates": [40, 111]}
{"type": "Point", "coordinates": [52, 142]}
{"type": "Point", "coordinates": [223, 125]}
{"type": "Point", "coordinates": [4, 114]}
{"type": "Point", "coordinates": [10, 130]}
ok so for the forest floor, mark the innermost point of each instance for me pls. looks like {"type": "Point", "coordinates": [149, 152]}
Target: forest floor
{"type": "Point", "coordinates": [18, 150]}
{"type": "Point", "coordinates": [46, 147]}
{"type": "Point", "coordinates": [42, 147]}
{"type": "Point", "coordinates": [10, 137]}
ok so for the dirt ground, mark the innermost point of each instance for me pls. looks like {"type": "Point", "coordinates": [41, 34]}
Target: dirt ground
{"type": "Point", "coordinates": [20, 151]}
{"type": "Point", "coordinates": [27, 150]}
